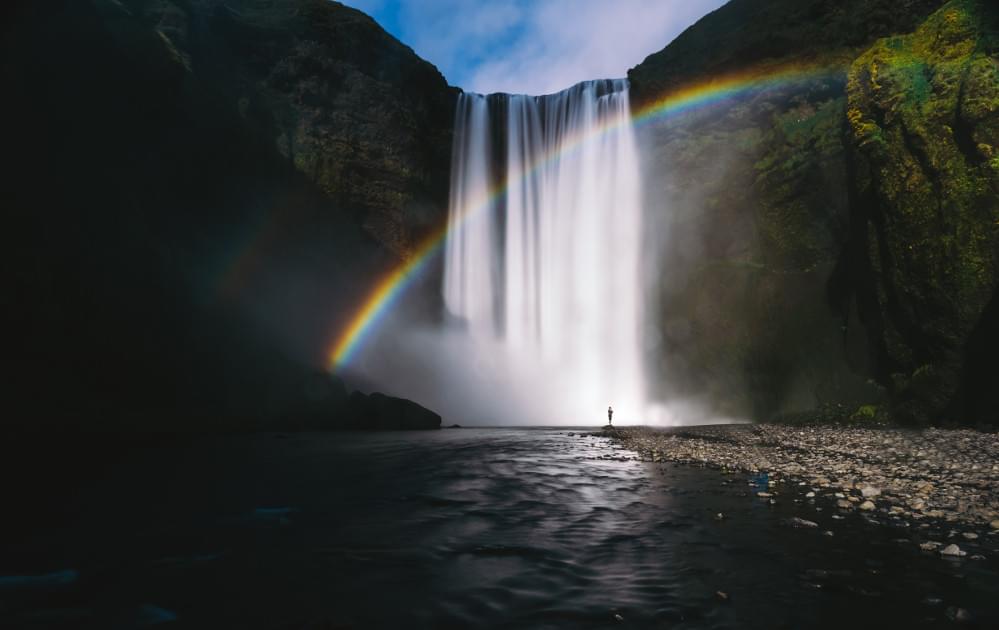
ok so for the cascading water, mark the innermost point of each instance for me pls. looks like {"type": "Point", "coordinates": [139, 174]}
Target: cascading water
{"type": "Point", "coordinates": [542, 259]}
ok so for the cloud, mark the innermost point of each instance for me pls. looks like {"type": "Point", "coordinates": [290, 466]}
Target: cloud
{"type": "Point", "coordinates": [534, 46]}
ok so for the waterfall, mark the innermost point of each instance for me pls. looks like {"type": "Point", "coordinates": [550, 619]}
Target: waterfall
{"type": "Point", "coordinates": [542, 256]}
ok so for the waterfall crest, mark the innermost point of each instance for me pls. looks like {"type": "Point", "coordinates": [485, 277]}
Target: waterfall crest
{"type": "Point", "coordinates": [542, 257]}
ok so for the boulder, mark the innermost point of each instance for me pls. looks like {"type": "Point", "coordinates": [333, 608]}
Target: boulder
{"type": "Point", "coordinates": [380, 412]}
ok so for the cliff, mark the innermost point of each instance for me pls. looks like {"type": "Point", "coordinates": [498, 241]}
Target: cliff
{"type": "Point", "coordinates": [199, 192]}
{"type": "Point", "coordinates": [829, 240]}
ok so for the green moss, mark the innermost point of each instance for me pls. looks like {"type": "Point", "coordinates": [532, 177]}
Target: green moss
{"type": "Point", "coordinates": [921, 112]}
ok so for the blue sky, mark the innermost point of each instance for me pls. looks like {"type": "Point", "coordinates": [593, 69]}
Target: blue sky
{"type": "Point", "coordinates": [534, 46]}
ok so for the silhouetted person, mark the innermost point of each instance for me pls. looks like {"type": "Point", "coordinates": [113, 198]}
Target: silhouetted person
{"type": "Point", "coordinates": [610, 415]}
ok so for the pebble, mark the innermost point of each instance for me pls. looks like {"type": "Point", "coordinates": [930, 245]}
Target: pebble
{"type": "Point", "coordinates": [801, 522]}
{"type": "Point", "coordinates": [922, 477]}
{"type": "Point", "coordinates": [867, 506]}
{"type": "Point", "coordinates": [953, 550]}
{"type": "Point", "coordinates": [970, 536]}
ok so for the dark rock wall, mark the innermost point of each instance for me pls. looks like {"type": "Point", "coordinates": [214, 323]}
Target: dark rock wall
{"type": "Point", "coordinates": [352, 108]}
{"type": "Point", "coordinates": [789, 236]}
{"type": "Point", "coordinates": [197, 194]}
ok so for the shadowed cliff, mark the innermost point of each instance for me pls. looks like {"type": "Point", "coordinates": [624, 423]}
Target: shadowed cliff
{"type": "Point", "coordinates": [199, 192]}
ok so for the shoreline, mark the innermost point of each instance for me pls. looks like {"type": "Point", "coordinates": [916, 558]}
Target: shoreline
{"type": "Point", "coordinates": [943, 482]}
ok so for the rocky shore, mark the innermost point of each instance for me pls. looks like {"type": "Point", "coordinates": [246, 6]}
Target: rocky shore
{"type": "Point", "coordinates": [944, 483]}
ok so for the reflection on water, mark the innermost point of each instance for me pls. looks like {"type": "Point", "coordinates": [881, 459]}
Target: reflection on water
{"type": "Point", "coordinates": [472, 527]}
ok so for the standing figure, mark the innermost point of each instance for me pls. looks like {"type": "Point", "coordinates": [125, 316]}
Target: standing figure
{"type": "Point", "coordinates": [610, 415]}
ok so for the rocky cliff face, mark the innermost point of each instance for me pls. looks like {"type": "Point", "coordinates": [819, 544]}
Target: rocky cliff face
{"type": "Point", "coordinates": [791, 217]}
{"type": "Point", "coordinates": [353, 109]}
{"type": "Point", "coordinates": [923, 110]}
{"type": "Point", "coordinates": [200, 189]}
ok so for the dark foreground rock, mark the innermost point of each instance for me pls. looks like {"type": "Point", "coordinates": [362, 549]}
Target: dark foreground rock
{"type": "Point", "coordinates": [902, 477]}
{"type": "Point", "coordinates": [379, 412]}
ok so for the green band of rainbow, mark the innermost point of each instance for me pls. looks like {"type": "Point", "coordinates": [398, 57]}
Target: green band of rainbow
{"type": "Point", "coordinates": [705, 94]}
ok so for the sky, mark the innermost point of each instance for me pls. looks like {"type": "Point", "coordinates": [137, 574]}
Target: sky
{"type": "Point", "coordinates": [534, 46]}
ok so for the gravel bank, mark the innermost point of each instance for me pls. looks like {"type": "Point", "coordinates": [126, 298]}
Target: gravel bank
{"type": "Point", "coordinates": [947, 480]}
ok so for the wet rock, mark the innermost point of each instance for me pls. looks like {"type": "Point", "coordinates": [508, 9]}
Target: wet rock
{"type": "Point", "coordinates": [958, 614]}
{"type": "Point", "coordinates": [800, 522]}
{"type": "Point", "coordinates": [379, 412]}
{"type": "Point", "coordinates": [870, 492]}
{"type": "Point", "coordinates": [929, 545]}
{"type": "Point", "coordinates": [994, 524]}
{"type": "Point", "coordinates": [953, 550]}
{"type": "Point", "coordinates": [867, 506]}
{"type": "Point", "coordinates": [844, 504]}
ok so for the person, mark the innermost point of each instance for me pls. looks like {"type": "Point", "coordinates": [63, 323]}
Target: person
{"type": "Point", "coordinates": [610, 415]}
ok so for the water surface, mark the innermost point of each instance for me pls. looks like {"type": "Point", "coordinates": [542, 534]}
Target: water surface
{"type": "Point", "coordinates": [508, 528]}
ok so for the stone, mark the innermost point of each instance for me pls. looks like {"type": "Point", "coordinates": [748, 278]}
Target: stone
{"type": "Point", "coordinates": [867, 506]}
{"type": "Point", "coordinates": [994, 524]}
{"type": "Point", "coordinates": [379, 412]}
{"type": "Point", "coordinates": [953, 550]}
{"type": "Point", "coordinates": [870, 491]}
{"type": "Point", "coordinates": [800, 522]}
{"type": "Point", "coordinates": [844, 505]}
{"type": "Point", "coordinates": [970, 535]}
{"type": "Point", "coordinates": [958, 614]}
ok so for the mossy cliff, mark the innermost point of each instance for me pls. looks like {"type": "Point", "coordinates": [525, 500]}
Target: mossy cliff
{"type": "Point", "coordinates": [827, 241]}
{"type": "Point", "coordinates": [923, 111]}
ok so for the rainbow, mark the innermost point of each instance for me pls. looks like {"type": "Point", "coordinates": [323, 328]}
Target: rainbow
{"type": "Point", "coordinates": [686, 99]}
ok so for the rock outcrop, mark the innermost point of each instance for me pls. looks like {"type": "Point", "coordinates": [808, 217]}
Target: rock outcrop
{"type": "Point", "coordinates": [378, 412]}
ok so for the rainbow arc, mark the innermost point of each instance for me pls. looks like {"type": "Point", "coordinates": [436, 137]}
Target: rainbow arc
{"type": "Point", "coordinates": [688, 99]}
